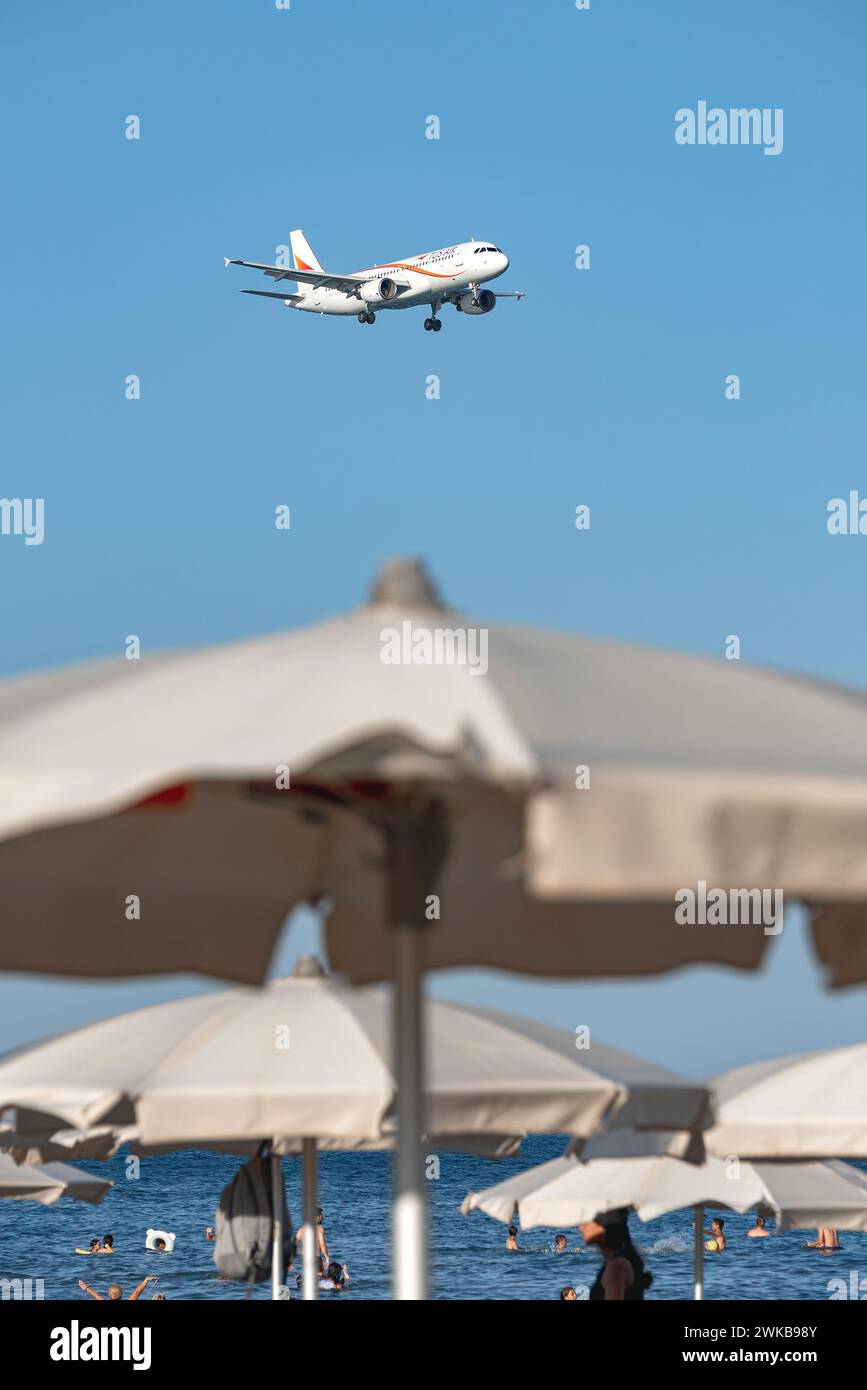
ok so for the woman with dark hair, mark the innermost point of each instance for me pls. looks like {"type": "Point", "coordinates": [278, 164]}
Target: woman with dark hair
{"type": "Point", "coordinates": [335, 1278]}
{"type": "Point", "coordinates": [622, 1276]}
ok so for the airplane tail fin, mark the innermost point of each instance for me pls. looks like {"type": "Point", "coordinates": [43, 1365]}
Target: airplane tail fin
{"type": "Point", "coordinates": [302, 252]}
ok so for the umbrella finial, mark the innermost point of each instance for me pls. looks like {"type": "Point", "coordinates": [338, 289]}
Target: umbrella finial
{"type": "Point", "coordinates": [405, 581]}
{"type": "Point", "coordinates": [309, 968]}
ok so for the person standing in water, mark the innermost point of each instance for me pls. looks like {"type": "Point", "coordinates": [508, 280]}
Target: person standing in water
{"type": "Point", "coordinates": [512, 1239]}
{"type": "Point", "coordinates": [321, 1242]}
{"type": "Point", "coordinates": [716, 1232]}
{"type": "Point", "coordinates": [560, 1245]}
{"type": "Point", "coordinates": [622, 1277]}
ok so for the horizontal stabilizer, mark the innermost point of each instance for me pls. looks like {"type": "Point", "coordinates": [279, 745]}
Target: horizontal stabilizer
{"type": "Point", "coordinates": [273, 294]}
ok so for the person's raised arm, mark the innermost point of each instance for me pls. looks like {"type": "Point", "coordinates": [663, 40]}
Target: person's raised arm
{"type": "Point", "coordinates": [92, 1292]}
{"type": "Point", "coordinates": [148, 1279]}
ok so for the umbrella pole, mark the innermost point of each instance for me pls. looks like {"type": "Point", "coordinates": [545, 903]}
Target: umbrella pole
{"type": "Point", "coordinates": [309, 1281]}
{"type": "Point", "coordinates": [277, 1228]}
{"type": "Point", "coordinates": [699, 1255]}
{"type": "Point", "coordinates": [409, 1233]}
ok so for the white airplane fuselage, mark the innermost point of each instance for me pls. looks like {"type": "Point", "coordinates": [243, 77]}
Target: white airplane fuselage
{"type": "Point", "coordinates": [435, 277]}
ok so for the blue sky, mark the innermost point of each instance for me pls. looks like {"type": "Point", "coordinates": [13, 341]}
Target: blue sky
{"type": "Point", "coordinates": [603, 387]}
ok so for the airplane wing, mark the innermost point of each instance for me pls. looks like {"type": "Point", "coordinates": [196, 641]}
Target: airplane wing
{"type": "Point", "coordinates": [349, 283]}
{"type": "Point", "coordinates": [274, 294]}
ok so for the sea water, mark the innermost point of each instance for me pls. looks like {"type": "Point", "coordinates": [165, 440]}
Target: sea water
{"type": "Point", "coordinates": [179, 1192]}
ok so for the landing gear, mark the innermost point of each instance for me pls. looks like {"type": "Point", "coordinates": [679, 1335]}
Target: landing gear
{"type": "Point", "coordinates": [432, 325]}
{"type": "Point", "coordinates": [367, 316]}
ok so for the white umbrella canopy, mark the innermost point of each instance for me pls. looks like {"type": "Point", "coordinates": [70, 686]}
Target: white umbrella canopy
{"type": "Point", "coordinates": [568, 1191]}
{"type": "Point", "coordinates": [829, 1193]}
{"type": "Point", "coordinates": [809, 1105]}
{"type": "Point", "coordinates": [47, 1144]}
{"type": "Point", "coordinates": [308, 1057]}
{"type": "Point", "coordinates": [165, 779]}
{"type": "Point", "coordinates": [49, 1183]}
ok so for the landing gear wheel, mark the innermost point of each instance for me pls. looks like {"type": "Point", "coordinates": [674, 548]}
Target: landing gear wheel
{"type": "Point", "coordinates": [436, 325]}
{"type": "Point", "coordinates": [428, 325]}
{"type": "Point", "coordinates": [371, 316]}
{"type": "Point", "coordinates": [362, 317]}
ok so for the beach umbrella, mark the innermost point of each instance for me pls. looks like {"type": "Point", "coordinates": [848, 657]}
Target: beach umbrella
{"type": "Point", "coordinates": [326, 760]}
{"type": "Point", "coordinates": [571, 1190]}
{"type": "Point", "coordinates": [49, 1183]}
{"type": "Point", "coordinates": [307, 1060]}
{"type": "Point", "coordinates": [808, 1105]}
{"type": "Point", "coordinates": [46, 1143]}
{"type": "Point", "coordinates": [461, 793]}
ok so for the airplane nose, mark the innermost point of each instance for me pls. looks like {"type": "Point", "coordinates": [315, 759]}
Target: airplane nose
{"type": "Point", "coordinates": [504, 260]}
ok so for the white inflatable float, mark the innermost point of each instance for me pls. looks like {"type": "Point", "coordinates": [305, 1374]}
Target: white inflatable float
{"type": "Point", "coordinates": [154, 1236]}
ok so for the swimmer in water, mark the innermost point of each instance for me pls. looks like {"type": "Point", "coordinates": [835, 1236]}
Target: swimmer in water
{"type": "Point", "coordinates": [107, 1247]}
{"type": "Point", "coordinates": [94, 1246]}
{"type": "Point", "coordinates": [560, 1244]}
{"type": "Point", "coordinates": [826, 1239]}
{"type": "Point", "coordinates": [512, 1239]}
{"type": "Point", "coordinates": [568, 1294]}
{"type": "Point", "coordinates": [115, 1291]}
{"type": "Point", "coordinates": [759, 1228]}
{"type": "Point", "coordinates": [160, 1245]}
{"type": "Point", "coordinates": [335, 1278]}
{"type": "Point", "coordinates": [210, 1233]}
{"type": "Point", "coordinates": [716, 1232]}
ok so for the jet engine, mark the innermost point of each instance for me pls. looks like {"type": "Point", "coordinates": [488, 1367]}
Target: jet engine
{"type": "Point", "coordinates": [375, 291]}
{"type": "Point", "coordinates": [485, 301]}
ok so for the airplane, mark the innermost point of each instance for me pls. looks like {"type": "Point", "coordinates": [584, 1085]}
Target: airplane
{"type": "Point", "coordinates": [452, 275]}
